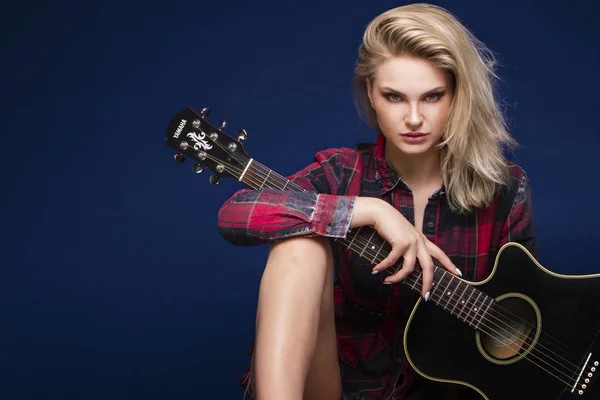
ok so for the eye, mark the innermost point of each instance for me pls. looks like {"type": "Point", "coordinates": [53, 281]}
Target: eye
{"type": "Point", "coordinates": [433, 97]}
{"type": "Point", "coordinates": [392, 97]}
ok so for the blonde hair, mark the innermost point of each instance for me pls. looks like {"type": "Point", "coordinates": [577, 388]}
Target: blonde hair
{"type": "Point", "coordinates": [472, 159]}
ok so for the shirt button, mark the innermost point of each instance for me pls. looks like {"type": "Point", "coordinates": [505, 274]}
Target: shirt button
{"type": "Point", "coordinates": [430, 225]}
{"type": "Point", "coordinates": [328, 229]}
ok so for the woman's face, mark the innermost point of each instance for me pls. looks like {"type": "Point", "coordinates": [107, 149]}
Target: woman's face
{"type": "Point", "coordinates": [412, 99]}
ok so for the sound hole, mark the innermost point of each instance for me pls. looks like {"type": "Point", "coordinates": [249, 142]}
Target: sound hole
{"type": "Point", "coordinates": [510, 329]}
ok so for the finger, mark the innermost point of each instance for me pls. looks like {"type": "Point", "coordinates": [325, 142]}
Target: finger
{"type": "Point", "coordinates": [426, 263]}
{"type": "Point", "coordinates": [408, 265]}
{"type": "Point", "coordinates": [439, 254]}
{"type": "Point", "coordinates": [394, 255]}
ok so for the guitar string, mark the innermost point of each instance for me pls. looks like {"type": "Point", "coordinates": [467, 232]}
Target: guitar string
{"type": "Point", "coordinates": [545, 339]}
{"type": "Point", "coordinates": [499, 314]}
{"type": "Point", "coordinates": [556, 340]}
{"type": "Point", "coordinates": [518, 348]}
{"type": "Point", "coordinates": [506, 330]}
{"type": "Point", "coordinates": [522, 343]}
{"type": "Point", "coordinates": [490, 323]}
{"type": "Point", "coordinates": [248, 175]}
{"type": "Point", "coordinates": [492, 313]}
{"type": "Point", "coordinates": [262, 184]}
{"type": "Point", "coordinates": [542, 340]}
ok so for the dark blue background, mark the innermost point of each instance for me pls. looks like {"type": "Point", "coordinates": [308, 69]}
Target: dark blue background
{"type": "Point", "coordinates": [115, 283]}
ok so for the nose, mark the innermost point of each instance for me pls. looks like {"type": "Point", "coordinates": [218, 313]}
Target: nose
{"type": "Point", "coordinates": [413, 118]}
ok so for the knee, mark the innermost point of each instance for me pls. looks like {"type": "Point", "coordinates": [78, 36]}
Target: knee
{"type": "Point", "coordinates": [302, 251]}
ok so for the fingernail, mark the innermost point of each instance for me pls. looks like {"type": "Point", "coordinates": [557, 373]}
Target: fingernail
{"type": "Point", "coordinates": [458, 272]}
{"type": "Point", "coordinates": [375, 271]}
{"type": "Point", "coordinates": [427, 296]}
{"type": "Point", "coordinates": [387, 283]}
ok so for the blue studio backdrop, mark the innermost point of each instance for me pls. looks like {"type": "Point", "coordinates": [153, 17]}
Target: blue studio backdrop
{"type": "Point", "coordinates": [115, 283]}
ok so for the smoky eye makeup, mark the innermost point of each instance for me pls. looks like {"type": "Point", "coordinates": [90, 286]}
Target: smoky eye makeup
{"type": "Point", "coordinates": [430, 97]}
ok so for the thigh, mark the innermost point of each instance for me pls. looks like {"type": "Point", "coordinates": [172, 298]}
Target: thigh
{"type": "Point", "coordinates": [288, 267]}
{"type": "Point", "coordinates": [323, 380]}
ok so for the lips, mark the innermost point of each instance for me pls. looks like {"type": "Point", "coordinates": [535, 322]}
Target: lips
{"type": "Point", "coordinates": [413, 134]}
{"type": "Point", "coordinates": [414, 137]}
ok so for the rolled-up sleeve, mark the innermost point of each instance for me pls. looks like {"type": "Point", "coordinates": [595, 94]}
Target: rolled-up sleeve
{"type": "Point", "coordinates": [252, 217]}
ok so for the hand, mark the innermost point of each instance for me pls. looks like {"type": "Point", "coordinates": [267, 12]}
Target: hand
{"type": "Point", "coordinates": [405, 240]}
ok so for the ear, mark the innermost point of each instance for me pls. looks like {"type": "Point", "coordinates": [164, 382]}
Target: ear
{"type": "Point", "coordinates": [369, 91]}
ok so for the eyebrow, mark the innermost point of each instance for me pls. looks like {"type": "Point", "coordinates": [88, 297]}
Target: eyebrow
{"type": "Point", "coordinates": [434, 90]}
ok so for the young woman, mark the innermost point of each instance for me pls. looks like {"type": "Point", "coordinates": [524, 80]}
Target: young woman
{"type": "Point", "coordinates": [435, 185]}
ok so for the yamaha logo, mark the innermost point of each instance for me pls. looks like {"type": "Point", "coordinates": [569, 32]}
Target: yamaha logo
{"type": "Point", "coordinates": [179, 128]}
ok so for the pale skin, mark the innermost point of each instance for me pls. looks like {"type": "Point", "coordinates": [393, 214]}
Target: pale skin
{"type": "Point", "coordinates": [295, 350]}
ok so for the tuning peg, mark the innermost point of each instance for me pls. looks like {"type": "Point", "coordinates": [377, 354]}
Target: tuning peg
{"type": "Point", "coordinates": [179, 158]}
{"type": "Point", "coordinates": [214, 180]}
{"type": "Point", "coordinates": [197, 168]}
{"type": "Point", "coordinates": [204, 112]}
{"type": "Point", "coordinates": [223, 124]}
{"type": "Point", "coordinates": [242, 134]}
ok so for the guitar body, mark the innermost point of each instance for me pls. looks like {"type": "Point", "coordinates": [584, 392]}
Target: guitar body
{"type": "Point", "coordinates": [565, 310]}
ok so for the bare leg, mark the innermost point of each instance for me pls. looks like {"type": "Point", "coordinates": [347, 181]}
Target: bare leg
{"type": "Point", "coordinates": [295, 351]}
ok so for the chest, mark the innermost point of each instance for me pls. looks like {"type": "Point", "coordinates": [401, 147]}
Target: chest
{"type": "Point", "coordinates": [420, 200]}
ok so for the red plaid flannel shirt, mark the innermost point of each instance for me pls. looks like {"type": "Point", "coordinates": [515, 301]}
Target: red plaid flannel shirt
{"type": "Point", "coordinates": [370, 317]}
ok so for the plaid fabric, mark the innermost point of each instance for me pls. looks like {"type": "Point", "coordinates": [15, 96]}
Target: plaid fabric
{"type": "Point", "coordinates": [370, 316]}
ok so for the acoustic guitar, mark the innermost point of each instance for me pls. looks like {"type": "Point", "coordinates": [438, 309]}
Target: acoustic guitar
{"type": "Point", "coordinates": [523, 333]}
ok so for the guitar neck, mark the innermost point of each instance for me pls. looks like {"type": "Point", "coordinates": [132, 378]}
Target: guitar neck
{"type": "Point", "coordinates": [370, 246]}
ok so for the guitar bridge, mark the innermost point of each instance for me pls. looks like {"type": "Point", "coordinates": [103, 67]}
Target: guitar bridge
{"type": "Point", "coordinates": [585, 375]}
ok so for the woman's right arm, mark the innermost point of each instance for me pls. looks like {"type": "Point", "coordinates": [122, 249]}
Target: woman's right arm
{"type": "Point", "coordinates": [252, 217]}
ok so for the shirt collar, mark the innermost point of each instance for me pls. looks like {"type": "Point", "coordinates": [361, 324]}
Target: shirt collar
{"type": "Point", "coordinates": [385, 175]}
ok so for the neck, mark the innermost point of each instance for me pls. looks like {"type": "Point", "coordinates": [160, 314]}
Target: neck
{"type": "Point", "coordinates": [416, 170]}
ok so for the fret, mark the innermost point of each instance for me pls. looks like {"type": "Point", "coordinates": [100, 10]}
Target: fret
{"type": "Point", "coordinates": [245, 169]}
{"type": "Point", "coordinates": [376, 254]}
{"type": "Point", "coordinates": [367, 245]}
{"type": "Point", "coordinates": [461, 295]}
{"type": "Point", "coordinates": [465, 305]}
{"type": "Point", "coordinates": [281, 179]}
{"type": "Point", "coordinates": [266, 178]}
{"type": "Point", "coordinates": [475, 309]}
{"type": "Point", "coordinates": [434, 283]}
{"type": "Point", "coordinates": [420, 276]}
{"type": "Point", "coordinates": [433, 287]}
{"type": "Point", "coordinates": [448, 292]}
{"type": "Point", "coordinates": [484, 312]}
{"type": "Point", "coordinates": [416, 279]}
{"type": "Point", "coordinates": [252, 173]}
{"type": "Point", "coordinates": [354, 237]}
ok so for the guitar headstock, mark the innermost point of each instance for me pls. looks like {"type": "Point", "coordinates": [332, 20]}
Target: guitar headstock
{"type": "Point", "coordinates": [194, 137]}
